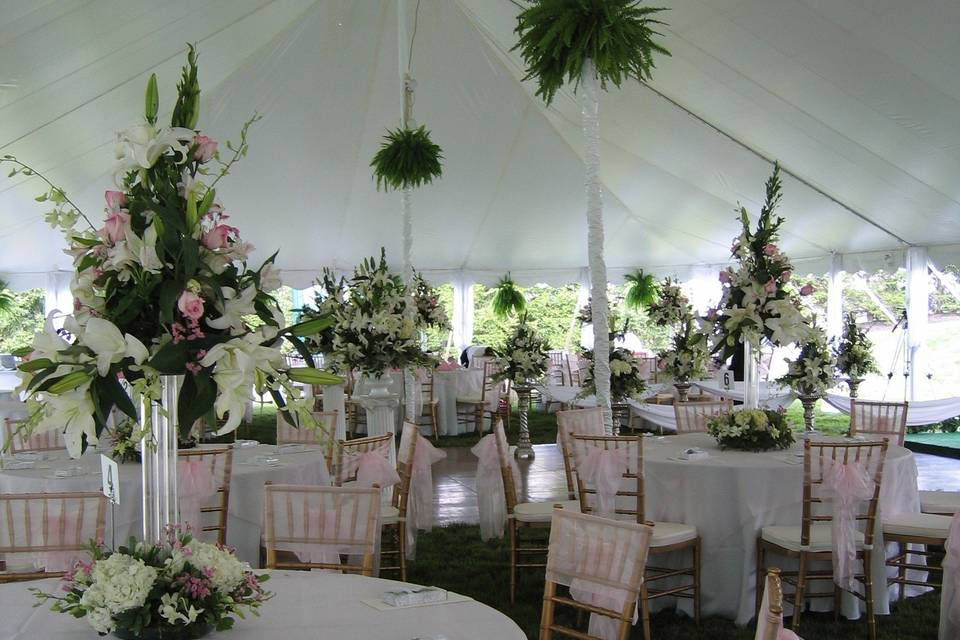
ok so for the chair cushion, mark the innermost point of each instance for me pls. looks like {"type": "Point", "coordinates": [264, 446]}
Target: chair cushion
{"type": "Point", "coordinates": [541, 511]}
{"type": "Point", "coordinates": [922, 525]}
{"type": "Point", "coordinates": [389, 515]}
{"type": "Point", "coordinates": [821, 538]}
{"type": "Point", "coordinates": [942, 502]}
{"type": "Point", "coordinates": [668, 533]}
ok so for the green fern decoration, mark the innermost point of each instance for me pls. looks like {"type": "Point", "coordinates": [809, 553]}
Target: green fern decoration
{"type": "Point", "coordinates": [557, 36]}
{"type": "Point", "coordinates": [508, 298]}
{"type": "Point", "coordinates": [641, 290]}
{"type": "Point", "coordinates": [408, 158]}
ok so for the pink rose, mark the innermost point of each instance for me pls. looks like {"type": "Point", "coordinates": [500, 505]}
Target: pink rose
{"type": "Point", "coordinates": [785, 277]}
{"type": "Point", "coordinates": [205, 149]}
{"type": "Point", "coordinates": [115, 226]}
{"type": "Point", "coordinates": [770, 249]}
{"type": "Point", "coordinates": [218, 236]}
{"type": "Point", "coordinates": [115, 200]}
{"type": "Point", "coordinates": [725, 277]}
{"type": "Point", "coordinates": [806, 289]}
{"type": "Point", "coordinates": [770, 287]}
{"type": "Point", "coordinates": [190, 305]}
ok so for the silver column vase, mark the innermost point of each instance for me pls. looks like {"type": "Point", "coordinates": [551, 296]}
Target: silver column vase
{"type": "Point", "coordinates": [683, 390]}
{"type": "Point", "coordinates": [524, 449]}
{"type": "Point", "coordinates": [809, 402]}
{"type": "Point", "coordinates": [158, 451]}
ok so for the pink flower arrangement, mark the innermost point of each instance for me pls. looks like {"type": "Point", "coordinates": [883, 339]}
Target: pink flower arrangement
{"type": "Point", "coordinates": [806, 289]}
{"type": "Point", "coordinates": [205, 148]}
{"type": "Point", "coordinates": [785, 277]}
{"type": "Point", "coordinates": [115, 200]}
{"type": "Point", "coordinates": [115, 226]}
{"type": "Point", "coordinates": [218, 236]}
{"type": "Point", "coordinates": [770, 249]}
{"type": "Point", "coordinates": [725, 277]}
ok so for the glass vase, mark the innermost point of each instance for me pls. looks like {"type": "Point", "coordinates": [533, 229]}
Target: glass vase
{"type": "Point", "coordinates": [158, 452]}
{"type": "Point", "coordinates": [751, 376]}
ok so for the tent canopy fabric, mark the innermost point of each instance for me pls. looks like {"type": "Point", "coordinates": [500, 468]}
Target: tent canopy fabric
{"type": "Point", "coordinates": [857, 101]}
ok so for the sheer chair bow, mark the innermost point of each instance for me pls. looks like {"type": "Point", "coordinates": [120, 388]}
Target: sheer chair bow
{"type": "Point", "coordinates": [196, 484]}
{"type": "Point", "coordinates": [420, 501]}
{"type": "Point", "coordinates": [491, 497]}
{"type": "Point", "coordinates": [846, 486]}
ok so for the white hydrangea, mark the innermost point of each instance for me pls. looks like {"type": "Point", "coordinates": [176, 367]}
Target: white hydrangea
{"type": "Point", "coordinates": [117, 583]}
{"type": "Point", "coordinates": [227, 570]}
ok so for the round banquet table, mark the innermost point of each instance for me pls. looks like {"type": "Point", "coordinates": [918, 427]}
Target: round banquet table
{"type": "Point", "coordinates": [245, 512]}
{"type": "Point", "coordinates": [447, 386]}
{"type": "Point", "coordinates": [731, 495]}
{"type": "Point", "coordinates": [307, 605]}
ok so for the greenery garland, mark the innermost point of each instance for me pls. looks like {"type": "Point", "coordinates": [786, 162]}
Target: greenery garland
{"type": "Point", "coordinates": [508, 298]}
{"type": "Point", "coordinates": [641, 289]}
{"type": "Point", "coordinates": [557, 36]}
{"type": "Point", "coordinates": [407, 159]}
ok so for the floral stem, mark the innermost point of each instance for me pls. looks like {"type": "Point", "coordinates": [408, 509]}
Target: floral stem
{"type": "Point", "coordinates": [33, 172]}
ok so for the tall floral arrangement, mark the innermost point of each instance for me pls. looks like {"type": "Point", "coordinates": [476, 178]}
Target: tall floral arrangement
{"type": "Point", "coordinates": [813, 371]}
{"type": "Point", "coordinates": [854, 351]}
{"type": "Point", "coordinates": [180, 587]}
{"type": "Point", "coordinates": [524, 355]}
{"type": "Point", "coordinates": [671, 306]}
{"type": "Point", "coordinates": [430, 313]}
{"type": "Point", "coordinates": [375, 326]}
{"type": "Point", "coordinates": [626, 376]}
{"type": "Point", "coordinates": [329, 296]}
{"type": "Point", "coordinates": [758, 301]}
{"type": "Point", "coordinates": [687, 357]}
{"type": "Point", "coordinates": [162, 286]}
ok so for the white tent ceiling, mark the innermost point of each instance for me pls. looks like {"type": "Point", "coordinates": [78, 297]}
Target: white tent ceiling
{"type": "Point", "coordinates": [856, 98]}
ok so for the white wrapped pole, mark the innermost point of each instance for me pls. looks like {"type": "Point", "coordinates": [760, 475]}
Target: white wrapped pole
{"type": "Point", "coordinates": [590, 113]}
{"type": "Point", "coordinates": [406, 115]}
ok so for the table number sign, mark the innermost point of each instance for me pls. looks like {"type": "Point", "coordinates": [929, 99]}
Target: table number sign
{"type": "Point", "coordinates": [726, 379]}
{"type": "Point", "coordinates": [110, 479]}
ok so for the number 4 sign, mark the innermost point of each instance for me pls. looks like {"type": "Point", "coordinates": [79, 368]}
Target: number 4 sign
{"type": "Point", "coordinates": [110, 478]}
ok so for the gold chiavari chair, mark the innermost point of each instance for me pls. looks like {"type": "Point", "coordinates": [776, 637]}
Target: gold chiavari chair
{"type": "Point", "coordinates": [588, 422]}
{"type": "Point", "coordinates": [322, 432]}
{"type": "Point", "coordinates": [604, 559]}
{"type": "Point", "coordinates": [812, 541]}
{"type": "Point", "coordinates": [393, 517]}
{"type": "Point", "coordinates": [557, 368]}
{"type": "Point", "coordinates": [522, 516]}
{"type": "Point", "coordinates": [668, 537]}
{"type": "Point", "coordinates": [430, 403]}
{"type": "Point", "coordinates": [219, 464]}
{"type": "Point", "coordinates": [20, 442]}
{"type": "Point", "coordinates": [692, 417]}
{"type": "Point", "coordinates": [42, 535]}
{"type": "Point", "coordinates": [348, 448]}
{"type": "Point", "coordinates": [873, 419]}
{"type": "Point", "coordinates": [315, 527]}
{"type": "Point", "coordinates": [770, 618]}
{"type": "Point", "coordinates": [474, 408]}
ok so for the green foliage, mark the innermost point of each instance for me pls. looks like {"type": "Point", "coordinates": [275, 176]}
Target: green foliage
{"type": "Point", "coordinates": [507, 298]}
{"type": "Point", "coordinates": [556, 37]}
{"type": "Point", "coordinates": [22, 321]}
{"type": "Point", "coordinates": [407, 159]}
{"type": "Point", "coordinates": [549, 309]}
{"type": "Point", "coordinates": [641, 290]}
{"type": "Point", "coordinates": [437, 337]}
{"type": "Point", "coordinates": [186, 111]}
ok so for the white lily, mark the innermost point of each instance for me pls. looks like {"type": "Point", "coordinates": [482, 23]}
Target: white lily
{"type": "Point", "coordinates": [72, 412]}
{"type": "Point", "coordinates": [140, 146]}
{"type": "Point", "coordinates": [105, 340]}
{"type": "Point", "coordinates": [234, 308]}
{"type": "Point", "coordinates": [236, 364]}
{"type": "Point", "coordinates": [144, 251]}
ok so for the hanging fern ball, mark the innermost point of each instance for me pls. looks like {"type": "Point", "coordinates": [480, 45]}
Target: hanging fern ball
{"type": "Point", "coordinates": [641, 290]}
{"type": "Point", "coordinates": [407, 159]}
{"type": "Point", "coordinates": [557, 36]}
{"type": "Point", "coordinates": [508, 298]}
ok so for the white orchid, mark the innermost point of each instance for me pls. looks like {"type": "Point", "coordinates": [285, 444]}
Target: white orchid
{"type": "Point", "coordinates": [237, 362]}
{"type": "Point", "coordinates": [144, 250]}
{"type": "Point", "coordinates": [71, 412]}
{"type": "Point", "coordinates": [106, 341]}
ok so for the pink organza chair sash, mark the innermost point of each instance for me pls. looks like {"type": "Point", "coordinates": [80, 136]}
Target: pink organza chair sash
{"type": "Point", "coordinates": [599, 553]}
{"type": "Point", "coordinates": [602, 470]}
{"type": "Point", "coordinates": [846, 486]}
{"type": "Point", "coordinates": [950, 595]}
{"type": "Point", "coordinates": [373, 468]}
{"type": "Point", "coordinates": [420, 498]}
{"type": "Point", "coordinates": [197, 484]}
{"type": "Point", "coordinates": [491, 496]}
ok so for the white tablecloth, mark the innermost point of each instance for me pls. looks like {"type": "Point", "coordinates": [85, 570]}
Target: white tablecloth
{"type": "Point", "coordinates": [772, 396]}
{"type": "Point", "coordinates": [731, 495]}
{"type": "Point", "coordinates": [307, 606]}
{"type": "Point", "coordinates": [447, 385]}
{"type": "Point", "coordinates": [8, 381]}
{"type": "Point", "coordinates": [245, 512]}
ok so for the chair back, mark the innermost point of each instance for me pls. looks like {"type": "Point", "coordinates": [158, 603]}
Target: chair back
{"type": "Point", "coordinates": [770, 617]}
{"type": "Point", "coordinates": [602, 561]}
{"type": "Point", "coordinates": [20, 442]}
{"type": "Point", "coordinates": [42, 535]}
{"type": "Point", "coordinates": [649, 368]}
{"type": "Point", "coordinates": [506, 466]}
{"type": "Point", "coordinates": [352, 448]}
{"type": "Point", "coordinates": [875, 419]}
{"type": "Point", "coordinates": [692, 417]}
{"type": "Point", "coordinates": [556, 374]}
{"type": "Point", "coordinates": [626, 452]}
{"type": "Point", "coordinates": [216, 467]}
{"type": "Point", "coordinates": [492, 390]}
{"type": "Point", "coordinates": [408, 448]}
{"type": "Point", "coordinates": [322, 432]}
{"type": "Point", "coordinates": [425, 378]}
{"type": "Point", "coordinates": [588, 422]}
{"type": "Point", "coordinates": [321, 524]}
{"type": "Point", "coordinates": [819, 458]}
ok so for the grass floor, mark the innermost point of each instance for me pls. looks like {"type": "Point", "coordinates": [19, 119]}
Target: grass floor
{"type": "Point", "coordinates": [455, 558]}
